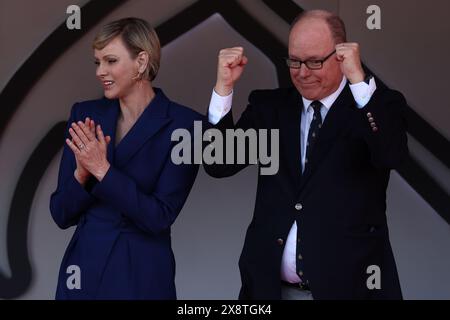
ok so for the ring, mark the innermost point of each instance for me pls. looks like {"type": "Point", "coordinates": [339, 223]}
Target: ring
{"type": "Point", "coordinates": [81, 146]}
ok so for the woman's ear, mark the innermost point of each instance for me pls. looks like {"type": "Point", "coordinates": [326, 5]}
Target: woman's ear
{"type": "Point", "coordinates": [143, 61]}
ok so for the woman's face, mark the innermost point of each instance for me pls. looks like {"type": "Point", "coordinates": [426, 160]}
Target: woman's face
{"type": "Point", "coordinates": [116, 69]}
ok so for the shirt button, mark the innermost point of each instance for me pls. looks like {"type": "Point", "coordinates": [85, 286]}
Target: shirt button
{"type": "Point", "coordinates": [298, 207]}
{"type": "Point", "coordinates": [280, 241]}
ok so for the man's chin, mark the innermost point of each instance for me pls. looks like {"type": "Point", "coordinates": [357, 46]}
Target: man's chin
{"type": "Point", "coordinates": [308, 93]}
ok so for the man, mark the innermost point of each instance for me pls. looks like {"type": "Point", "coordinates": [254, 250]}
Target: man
{"type": "Point", "coordinates": [319, 227]}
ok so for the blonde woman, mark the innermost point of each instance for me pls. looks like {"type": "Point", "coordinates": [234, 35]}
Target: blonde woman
{"type": "Point", "coordinates": [117, 183]}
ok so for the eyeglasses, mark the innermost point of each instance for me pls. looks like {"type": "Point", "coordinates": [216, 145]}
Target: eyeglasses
{"type": "Point", "coordinates": [310, 64]}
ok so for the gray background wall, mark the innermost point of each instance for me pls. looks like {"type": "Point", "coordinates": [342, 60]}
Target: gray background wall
{"type": "Point", "coordinates": [409, 53]}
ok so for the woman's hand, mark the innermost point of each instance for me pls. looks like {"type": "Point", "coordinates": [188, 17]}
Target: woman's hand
{"type": "Point", "coordinates": [90, 151]}
{"type": "Point", "coordinates": [81, 174]}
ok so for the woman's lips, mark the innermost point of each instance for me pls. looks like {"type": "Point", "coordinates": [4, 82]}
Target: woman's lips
{"type": "Point", "coordinates": [107, 84]}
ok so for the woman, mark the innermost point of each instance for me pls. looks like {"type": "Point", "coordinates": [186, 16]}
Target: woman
{"type": "Point", "coordinates": [117, 182]}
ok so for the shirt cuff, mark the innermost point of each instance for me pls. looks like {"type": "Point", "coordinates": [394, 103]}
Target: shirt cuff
{"type": "Point", "coordinates": [219, 106]}
{"type": "Point", "coordinates": [362, 92]}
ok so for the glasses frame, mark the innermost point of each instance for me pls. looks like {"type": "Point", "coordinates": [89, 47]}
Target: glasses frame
{"type": "Point", "coordinates": [290, 61]}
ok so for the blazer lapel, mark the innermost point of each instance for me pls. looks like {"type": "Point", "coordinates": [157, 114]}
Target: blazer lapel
{"type": "Point", "coordinates": [335, 121]}
{"type": "Point", "coordinates": [290, 119]}
{"type": "Point", "coordinates": [154, 118]}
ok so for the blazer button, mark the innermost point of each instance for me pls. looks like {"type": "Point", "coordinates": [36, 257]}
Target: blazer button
{"type": "Point", "coordinates": [374, 129]}
{"type": "Point", "coordinates": [298, 207]}
{"type": "Point", "coordinates": [371, 120]}
{"type": "Point", "coordinates": [369, 115]}
{"type": "Point", "coordinates": [280, 241]}
{"type": "Point", "coordinates": [373, 124]}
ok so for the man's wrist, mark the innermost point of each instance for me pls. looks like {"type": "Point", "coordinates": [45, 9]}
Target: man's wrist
{"type": "Point", "coordinates": [223, 91]}
{"type": "Point", "coordinates": [357, 78]}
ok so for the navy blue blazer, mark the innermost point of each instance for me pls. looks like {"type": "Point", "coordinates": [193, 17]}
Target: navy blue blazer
{"type": "Point", "coordinates": [338, 203]}
{"type": "Point", "coordinates": [122, 240]}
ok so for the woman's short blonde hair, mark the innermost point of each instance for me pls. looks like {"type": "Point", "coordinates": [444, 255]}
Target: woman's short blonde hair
{"type": "Point", "coordinates": [138, 36]}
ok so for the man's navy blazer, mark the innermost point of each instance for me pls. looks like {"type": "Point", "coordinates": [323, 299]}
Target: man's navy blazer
{"type": "Point", "coordinates": [339, 202]}
{"type": "Point", "coordinates": [122, 243]}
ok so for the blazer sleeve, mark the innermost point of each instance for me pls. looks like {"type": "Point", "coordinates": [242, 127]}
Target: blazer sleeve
{"type": "Point", "coordinates": [384, 128]}
{"type": "Point", "coordinates": [70, 198]}
{"type": "Point", "coordinates": [155, 210]}
{"type": "Point", "coordinates": [245, 122]}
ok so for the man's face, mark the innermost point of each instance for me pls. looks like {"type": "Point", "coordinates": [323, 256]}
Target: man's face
{"type": "Point", "coordinates": [311, 39]}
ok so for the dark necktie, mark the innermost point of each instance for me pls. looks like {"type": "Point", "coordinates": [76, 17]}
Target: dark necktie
{"type": "Point", "coordinates": [314, 128]}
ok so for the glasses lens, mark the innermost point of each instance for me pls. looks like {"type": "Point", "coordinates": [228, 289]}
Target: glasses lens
{"type": "Point", "coordinates": [293, 63]}
{"type": "Point", "coordinates": [314, 65]}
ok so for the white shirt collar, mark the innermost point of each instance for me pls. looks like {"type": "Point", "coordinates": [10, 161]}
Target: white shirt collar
{"type": "Point", "coordinates": [327, 101]}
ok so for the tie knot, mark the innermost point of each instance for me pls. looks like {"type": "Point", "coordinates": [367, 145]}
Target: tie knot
{"type": "Point", "coordinates": [316, 105]}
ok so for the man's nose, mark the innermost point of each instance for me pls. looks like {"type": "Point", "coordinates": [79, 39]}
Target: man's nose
{"type": "Point", "coordinates": [304, 71]}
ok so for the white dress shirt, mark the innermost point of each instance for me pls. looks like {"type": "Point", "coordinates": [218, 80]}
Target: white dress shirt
{"type": "Point", "coordinates": [362, 92]}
